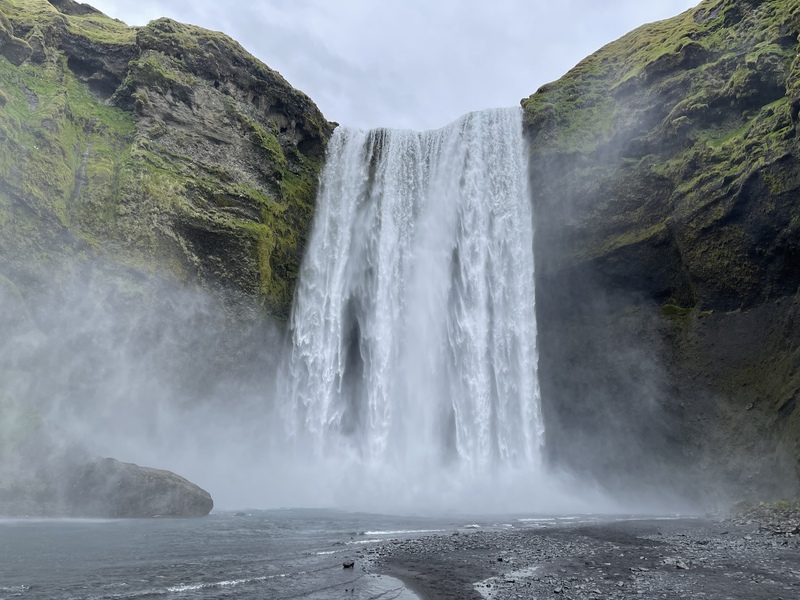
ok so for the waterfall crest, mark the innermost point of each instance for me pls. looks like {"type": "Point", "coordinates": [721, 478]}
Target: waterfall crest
{"type": "Point", "coordinates": [413, 329]}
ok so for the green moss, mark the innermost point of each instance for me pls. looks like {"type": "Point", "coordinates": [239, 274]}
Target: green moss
{"type": "Point", "coordinates": [159, 71]}
{"type": "Point", "coordinates": [95, 27]}
{"type": "Point", "coordinates": [584, 108]}
{"type": "Point", "coordinates": [681, 313]}
{"type": "Point", "coordinates": [100, 28]}
{"type": "Point", "coordinates": [200, 49]}
{"type": "Point", "coordinates": [297, 191]}
{"type": "Point", "coordinates": [67, 131]}
{"type": "Point", "coordinates": [51, 146]}
{"type": "Point", "coordinates": [80, 178]}
{"type": "Point", "coordinates": [634, 236]}
{"type": "Point", "coordinates": [695, 108]}
{"type": "Point", "coordinates": [266, 140]}
{"type": "Point", "coordinates": [675, 312]}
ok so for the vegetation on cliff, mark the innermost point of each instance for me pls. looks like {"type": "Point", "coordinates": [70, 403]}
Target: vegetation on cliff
{"type": "Point", "coordinates": [701, 110]}
{"type": "Point", "coordinates": [666, 185]}
{"type": "Point", "coordinates": [166, 147]}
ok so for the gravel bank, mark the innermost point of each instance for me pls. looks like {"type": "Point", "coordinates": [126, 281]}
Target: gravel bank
{"type": "Point", "coordinates": [664, 559]}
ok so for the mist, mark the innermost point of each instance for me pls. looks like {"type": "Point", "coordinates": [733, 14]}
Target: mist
{"type": "Point", "coordinates": [140, 369]}
{"type": "Point", "coordinates": [160, 375]}
{"type": "Point", "coordinates": [103, 362]}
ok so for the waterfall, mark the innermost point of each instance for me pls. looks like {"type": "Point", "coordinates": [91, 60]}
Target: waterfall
{"type": "Point", "coordinates": [413, 329]}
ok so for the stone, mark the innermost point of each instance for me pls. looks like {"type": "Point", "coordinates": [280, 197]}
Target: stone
{"type": "Point", "coordinates": [109, 488]}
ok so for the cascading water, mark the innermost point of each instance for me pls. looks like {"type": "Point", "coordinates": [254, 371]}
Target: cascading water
{"type": "Point", "coordinates": [413, 330]}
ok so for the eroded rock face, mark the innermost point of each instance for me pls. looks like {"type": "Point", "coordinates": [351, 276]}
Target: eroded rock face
{"type": "Point", "coordinates": [109, 488]}
{"type": "Point", "coordinates": [166, 147]}
{"type": "Point", "coordinates": [15, 50]}
{"type": "Point", "coordinates": [666, 178]}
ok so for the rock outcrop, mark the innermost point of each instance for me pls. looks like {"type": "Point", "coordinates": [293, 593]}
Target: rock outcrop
{"type": "Point", "coordinates": [109, 488]}
{"type": "Point", "coordinates": [102, 488]}
{"type": "Point", "coordinates": [666, 178]}
{"type": "Point", "coordinates": [162, 148]}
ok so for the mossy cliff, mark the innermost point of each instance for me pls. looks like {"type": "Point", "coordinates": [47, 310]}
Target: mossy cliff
{"type": "Point", "coordinates": [666, 180]}
{"type": "Point", "coordinates": [156, 191]}
{"type": "Point", "coordinates": [163, 148]}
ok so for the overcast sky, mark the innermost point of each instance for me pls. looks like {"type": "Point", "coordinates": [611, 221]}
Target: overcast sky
{"type": "Point", "coordinates": [411, 63]}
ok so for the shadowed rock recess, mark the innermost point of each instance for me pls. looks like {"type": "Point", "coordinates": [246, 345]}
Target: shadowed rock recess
{"type": "Point", "coordinates": [666, 178]}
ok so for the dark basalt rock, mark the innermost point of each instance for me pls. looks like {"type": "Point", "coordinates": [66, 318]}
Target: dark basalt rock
{"type": "Point", "coordinates": [17, 51]}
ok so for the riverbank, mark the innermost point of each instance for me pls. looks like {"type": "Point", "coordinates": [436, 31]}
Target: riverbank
{"type": "Point", "coordinates": [665, 559]}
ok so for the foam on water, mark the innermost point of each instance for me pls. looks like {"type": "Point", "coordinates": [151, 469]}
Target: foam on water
{"type": "Point", "coordinates": [404, 532]}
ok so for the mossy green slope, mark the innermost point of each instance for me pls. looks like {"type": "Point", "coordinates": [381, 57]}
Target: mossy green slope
{"type": "Point", "coordinates": [666, 177]}
{"type": "Point", "coordinates": [161, 148]}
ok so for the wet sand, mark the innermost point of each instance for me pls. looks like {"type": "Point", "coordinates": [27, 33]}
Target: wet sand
{"type": "Point", "coordinates": [664, 559]}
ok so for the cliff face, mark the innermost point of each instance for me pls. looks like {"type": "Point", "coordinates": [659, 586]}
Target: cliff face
{"type": "Point", "coordinates": [163, 148]}
{"type": "Point", "coordinates": [666, 178]}
{"type": "Point", "coordinates": [156, 191]}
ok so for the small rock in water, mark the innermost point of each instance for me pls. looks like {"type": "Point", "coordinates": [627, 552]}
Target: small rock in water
{"type": "Point", "coordinates": [239, 514]}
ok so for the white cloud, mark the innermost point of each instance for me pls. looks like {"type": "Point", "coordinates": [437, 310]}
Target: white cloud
{"type": "Point", "coordinates": [416, 63]}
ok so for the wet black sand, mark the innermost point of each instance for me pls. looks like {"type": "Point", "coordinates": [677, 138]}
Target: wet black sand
{"type": "Point", "coordinates": [664, 559]}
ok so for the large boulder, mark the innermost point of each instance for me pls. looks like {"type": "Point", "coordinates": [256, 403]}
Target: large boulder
{"type": "Point", "coordinates": [35, 484]}
{"type": "Point", "coordinates": [109, 488]}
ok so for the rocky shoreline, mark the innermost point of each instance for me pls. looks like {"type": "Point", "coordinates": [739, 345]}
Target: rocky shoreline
{"type": "Point", "coordinates": [740, 557]}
